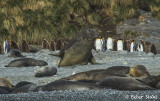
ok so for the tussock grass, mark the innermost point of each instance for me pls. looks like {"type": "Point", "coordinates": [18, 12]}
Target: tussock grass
{"type": "Point", "coordinates": [35, 20]}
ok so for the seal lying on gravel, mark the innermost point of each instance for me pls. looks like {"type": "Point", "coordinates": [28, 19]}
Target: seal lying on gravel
{"type": "Point", "coordinates": [78, 50]}
{"type": "Point", "coordinates": [123, 83]}
{"type": "Point", "coordinates": [46, 71]}
{"type": "Point", "coordinates": [67, 85]}
{"type": "Point", "coordinates": [15, 53]}
{"type": "Point", "coordinates": [151, 80]}
{"type": "Point", "coordinates": [99, 73]}
{"type": "Point", "coordinates": [25, 62]}
{"type": "Point", "coordinates": [21, 84]}
{"type": "Point", "coordinates": [25, 89]}
{"type": "Point", "coordinates": [158, 85]}
{"type": "Point", "coordinates": [3, 91]}
{"type": "Point", "coordinates": [138, 70]}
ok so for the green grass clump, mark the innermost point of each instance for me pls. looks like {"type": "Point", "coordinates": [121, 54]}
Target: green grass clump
{"type": "Point", "coordinates": [35, 20]}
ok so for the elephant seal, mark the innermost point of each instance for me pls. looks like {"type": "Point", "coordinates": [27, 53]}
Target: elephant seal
{"type": "Point", "coordinates": [3, 91]}
{"type": "Point", "coordinates": [15, 53]}
{"type": "Point", "coordinates": [78, 50]}
{"type": "Point", "coordinates": [45, 44]}
{"type": "Point", "coordinates": [138, 71]}
{"type": "Point", "coordinates": [151, 80]}
{"type": "Point", "coordinates": [68, 85]}
{"type": "Point", "coordinates": [6, 89]}
{"type": "Point", "coordinates": [21, 84]}
{"type": "Point", "coordinates": [46, 71]}
{"type": "Point", "coordinates": [123, 83]}
{"type": "Point", "coordinates": [24, 46]}
{"type": "Point", "coordinates": [4, 82]}
{"type": "Point", "coordinates": [25, 62]}
{"type": "Point", "coordinates": [158, 85]}
{"type": "Point", "coordinates": [25, 89]}
{"type": "Point", "coordinates": [99, 74]}
{"type": "Point", "coordinates": [88, 81]}
{"type": "Point", "coordinates": [119, 70]}
{"type": "Point", "coordinates": [14, 45]}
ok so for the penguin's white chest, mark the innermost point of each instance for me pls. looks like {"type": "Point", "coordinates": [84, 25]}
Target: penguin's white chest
{"type": "Point", "coordinates": [109, 43]}
{"type": "Point", "coordinates": [98, 44]}
{"type": "Point", "coordinates": [131, 47]}
{"type": "Point", "coordinates": [119, 45]}
{"type": "Point", "coordinates": [141, 47]}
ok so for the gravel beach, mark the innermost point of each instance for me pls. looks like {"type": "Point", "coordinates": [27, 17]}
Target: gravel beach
{"type": "Point", "coordinates": [107, 59]}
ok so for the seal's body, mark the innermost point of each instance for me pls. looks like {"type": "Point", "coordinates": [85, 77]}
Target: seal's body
{"type": "Point", "coordinates": [46, 71]}
{"type": "Point", "coordinates": [138, 71]}
{"type": "Point", "coordinates": [68, 85]}
{"type": "Point", "coordinates": [123, 83]}
{"type": "Point", "coordinates": [25, 62]}
{"type": "Point", "coordinates": [78, 50]}
{"type": "Point", "coordinates": [15, 53]}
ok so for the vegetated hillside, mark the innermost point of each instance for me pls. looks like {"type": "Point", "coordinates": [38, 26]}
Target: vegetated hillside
{"type": "Point", "coordinates": [34, 20]}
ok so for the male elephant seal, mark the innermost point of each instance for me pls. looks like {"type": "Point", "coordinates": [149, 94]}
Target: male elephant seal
{"type": "Point", "coordinates": [158, 85]}
{"type": "Point", "coordinates": [21, 84]}
{"type": "Point", "coordinates": [123, 83]}
{"type": "Point", "coordinates": [25, 62]}
{"type": "Point", "coordinates": [25, 89]}
{"type": "Point", "coordinates": [151, 80]}
{"type": "Point", "coordinates": [138, 70]}
{"type": "Point", "coordinates": [78, 50]}
{"type": "Point", "coordinates": [15, 53]}
{"type": "Point", "coordinates": [3, 91]}
{"type": "Point", "coordinates": [99, 73]}
{"type": "Point", "coordinates": [68, 85]}
{"type": "Point", "coordinates": [46, 71]}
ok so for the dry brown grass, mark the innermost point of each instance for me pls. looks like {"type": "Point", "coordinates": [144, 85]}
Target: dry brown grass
{"type": "Point", "coordinates": [34, 20]}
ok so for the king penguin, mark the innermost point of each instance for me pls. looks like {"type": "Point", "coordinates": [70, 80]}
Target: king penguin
{"type": "Point", "coordinates": [109, 43]}
{"type": "Point", "coordinates": [98, 43]}
{"type": "Point", "coordinates": [119, 45]}
{"type": "Point", "coordinates": [6, 46]}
